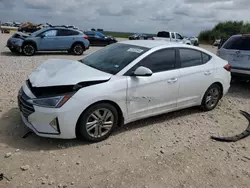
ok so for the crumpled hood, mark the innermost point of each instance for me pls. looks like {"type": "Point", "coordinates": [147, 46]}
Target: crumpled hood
{"type": "Point", "coordinates": [58, 72]}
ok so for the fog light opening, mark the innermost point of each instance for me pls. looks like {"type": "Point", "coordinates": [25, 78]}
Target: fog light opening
{"type": "Point", "coordinates": [54, 123]}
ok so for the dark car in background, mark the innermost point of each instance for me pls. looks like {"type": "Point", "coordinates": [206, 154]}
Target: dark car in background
{"type": "Point", "coordinates": [138, 36]}
{"type": "Point", "coordinates": [97, 38]}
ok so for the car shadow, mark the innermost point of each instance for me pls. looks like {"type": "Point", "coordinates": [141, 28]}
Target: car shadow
{"type": "Point", "coordinates": [239, 89]}
{"type": "Point", "coordinates": [12, 129]}
{"type": "Point", "coordinates": [10, 54]}
{"type": "Point", "coordinates": [158, 119]}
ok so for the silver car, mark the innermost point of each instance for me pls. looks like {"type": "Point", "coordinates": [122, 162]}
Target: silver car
{"type": "Point", "coordinates": [236, 50]}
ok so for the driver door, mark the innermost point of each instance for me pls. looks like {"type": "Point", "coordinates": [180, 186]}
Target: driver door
{"type": "Point", "coordinates": [179, 38]}
{"type": "Point", "coordinates": [48, 40]}
{"type": "Point", "coordinates": [155, 94]}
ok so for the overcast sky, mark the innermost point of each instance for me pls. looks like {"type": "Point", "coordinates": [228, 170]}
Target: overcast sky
{"type": "Point", "coordinates": [188, 17]}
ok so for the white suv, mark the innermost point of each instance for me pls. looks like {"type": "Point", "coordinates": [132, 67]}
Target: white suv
{"type": "Point", "coordinates": [236, 50]}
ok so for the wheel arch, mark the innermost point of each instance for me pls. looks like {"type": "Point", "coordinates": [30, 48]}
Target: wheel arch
{"type": "Point", "coordinates": [78, 42]}
{"type": "Point", "coordinates": [118, 108]}
{"type": "Point", "coordinates": [215, 83]}
{"type": "Point", "coordinates": [29, 42]}
{"type": "Point", "coordinates": [221, 87]}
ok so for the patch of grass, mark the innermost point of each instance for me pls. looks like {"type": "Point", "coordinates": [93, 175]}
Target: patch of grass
{"type": "Point", "coordinates": [117, 34]}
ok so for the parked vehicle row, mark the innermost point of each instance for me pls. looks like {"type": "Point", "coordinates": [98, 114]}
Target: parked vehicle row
{"type": "Point", "coordinates": [120, 83]}
{"type": "Point", "coordinates": [138, 36]}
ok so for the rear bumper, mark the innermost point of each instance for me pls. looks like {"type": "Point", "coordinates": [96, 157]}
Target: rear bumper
{"type": "Point", "coordinates": [237, 72]}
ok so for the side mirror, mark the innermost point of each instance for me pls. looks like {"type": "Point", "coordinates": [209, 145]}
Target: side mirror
{"type": "Point", "coordinates": [42, 36]}
{"type": "Point", "coordinates": [142, 71]}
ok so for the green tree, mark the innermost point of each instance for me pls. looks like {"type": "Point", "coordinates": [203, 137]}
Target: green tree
{"type": "Point", "coordinates": [224, 29]}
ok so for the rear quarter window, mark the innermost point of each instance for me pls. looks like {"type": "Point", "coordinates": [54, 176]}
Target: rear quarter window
{"type": "Point", "coordinates": [163, 34]}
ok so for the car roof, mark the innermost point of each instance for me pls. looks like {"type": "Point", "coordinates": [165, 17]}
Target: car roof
{"type": "Point", "coordinates": [62, 28]}
{"type": "Point", "coordinates": [162, 43]}
{"type": "Point", "coordinates": [153, 43]}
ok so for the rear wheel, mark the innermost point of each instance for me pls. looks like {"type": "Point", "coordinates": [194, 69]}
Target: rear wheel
{"type": "Point", "coordinates": [211, 97]}
{"type": "Point", "coordinates": [29, 49]}
{"type": "Point", "coordinates": [78, 49]}
{"type": "Point", "coordinates": [97, 122]}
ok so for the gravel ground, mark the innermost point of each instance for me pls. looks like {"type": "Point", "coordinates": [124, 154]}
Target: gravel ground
{"type": "Point", "coordinates": [171, 150]}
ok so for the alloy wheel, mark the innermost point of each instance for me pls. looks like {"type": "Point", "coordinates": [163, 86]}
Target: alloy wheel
{"type": "Point", "coordinates": [78, 49]}
{"type": "Point", "coordinates": [100, 122]}
{"type": "Point", "coordinates": [213, 97]}
{"type": "Point", "coordinates": [28, 49]}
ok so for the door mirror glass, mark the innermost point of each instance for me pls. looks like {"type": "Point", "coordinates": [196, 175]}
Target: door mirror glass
{"type": "Point", "coordinates": [142, 71]}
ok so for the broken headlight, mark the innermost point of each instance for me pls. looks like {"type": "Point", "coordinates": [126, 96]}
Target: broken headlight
{"type": "Point", "coordinates": [51, 102]}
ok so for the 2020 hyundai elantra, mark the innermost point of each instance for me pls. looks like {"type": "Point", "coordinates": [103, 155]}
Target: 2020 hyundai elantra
{"type": "Point", "coordinates": [118, 84]}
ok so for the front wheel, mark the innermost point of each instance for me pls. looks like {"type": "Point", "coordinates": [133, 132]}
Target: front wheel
{"type": "Point", "coordinates": [211, 97]}
{"type": "Point", "coordinates": [97, 122]}
{"type": "Point", "coordinates": [29, 49]}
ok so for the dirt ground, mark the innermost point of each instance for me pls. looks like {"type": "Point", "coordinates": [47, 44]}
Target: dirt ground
{"type": "Point", "coordinates": [171, 150]}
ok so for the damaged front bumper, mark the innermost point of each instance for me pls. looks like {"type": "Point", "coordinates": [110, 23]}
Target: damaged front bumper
{"type": "Point", "coordinates": [15, 44]}
{"type": "Point", "coordinates": [49, 122]}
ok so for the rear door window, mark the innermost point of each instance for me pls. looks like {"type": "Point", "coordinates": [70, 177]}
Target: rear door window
{"type": "Point", "coordinates": [190, 58]}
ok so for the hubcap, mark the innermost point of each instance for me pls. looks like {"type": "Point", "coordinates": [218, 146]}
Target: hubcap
{"type": "Point", "coordinates": [100, 122]}
{"type": "Point", "coordinates": [212, 97]}
{"type": "Point", "coordinates": [78, 49]}
{"type": "Point", "coordinates": [28, 49]}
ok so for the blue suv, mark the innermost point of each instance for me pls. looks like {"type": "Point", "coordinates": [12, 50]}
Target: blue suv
{"type": "Point", "coordinates": [49, 39]}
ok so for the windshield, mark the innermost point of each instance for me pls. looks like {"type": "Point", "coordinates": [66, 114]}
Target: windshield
{"type": "Point", "coordinates": [114, 57]}
{"type": "Point", "coordinates": [100, 34]}
{"type": "Point", "coordinates": [38, 31]}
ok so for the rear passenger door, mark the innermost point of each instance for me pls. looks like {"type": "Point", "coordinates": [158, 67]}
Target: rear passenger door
{"type": "Point", "coordinates": [196, 75]}
{"type": "Point", "coordinates": [65, 38]}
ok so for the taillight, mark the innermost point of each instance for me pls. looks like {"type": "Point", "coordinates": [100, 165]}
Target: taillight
{"type": "Point", "coordinates": [85, 37]}
{"type": "Point", "coordinates": [228, 67]}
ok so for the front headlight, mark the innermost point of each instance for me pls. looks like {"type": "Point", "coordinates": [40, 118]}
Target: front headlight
{"type": "Point", "coordinates": [51, 102]}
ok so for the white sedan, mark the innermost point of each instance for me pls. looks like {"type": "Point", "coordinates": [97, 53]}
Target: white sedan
{"type": "Point", "coordinates": [118, 84]}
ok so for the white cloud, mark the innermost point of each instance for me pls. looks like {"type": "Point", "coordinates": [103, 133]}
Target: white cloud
{"type": "Point", "coordinates": [188, 17]}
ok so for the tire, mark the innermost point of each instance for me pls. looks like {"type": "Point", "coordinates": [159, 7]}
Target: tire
{"type": "Point", "coordinates": [214, 93]}
{"type": "Point", "coordinates": [29, 49]}
{"type": "Point", "coordinates": [78, 49]}
{"type": "Point", "coordinates": [87, 116]}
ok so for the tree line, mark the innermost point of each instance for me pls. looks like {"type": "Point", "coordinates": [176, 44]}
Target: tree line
{"type": "Point", "coordinates": [224, 30]}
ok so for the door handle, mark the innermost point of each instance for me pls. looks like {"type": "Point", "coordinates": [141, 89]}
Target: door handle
{"type": "Point", "coordinates": [208, 72]}
{"type": "Point", "coordinates": [172, 80]}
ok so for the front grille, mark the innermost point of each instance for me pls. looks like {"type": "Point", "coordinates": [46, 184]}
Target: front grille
{"type": "Point", "coordinates": [25, 107]}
